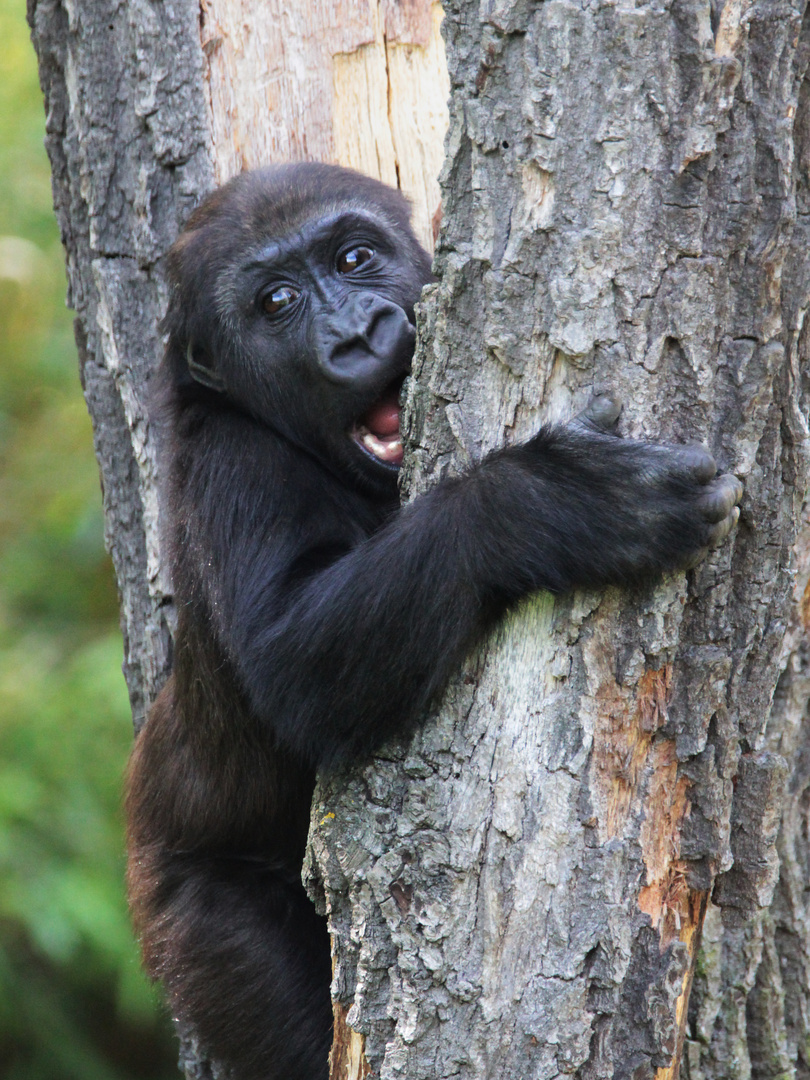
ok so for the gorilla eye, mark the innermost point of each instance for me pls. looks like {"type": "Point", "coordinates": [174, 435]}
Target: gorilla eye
{"type": "Point", "coordinates": [351, 260]}
{"type": "Point", "coordinates": [278, 299]}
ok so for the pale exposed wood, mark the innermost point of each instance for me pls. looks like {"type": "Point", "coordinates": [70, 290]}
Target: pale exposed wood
{"type": "Point", "coordinates": [418, 117]}
{"type": "Point", "coordinates": [347, 1060]}
{"type": "Point", "coordinates": [360, 84]}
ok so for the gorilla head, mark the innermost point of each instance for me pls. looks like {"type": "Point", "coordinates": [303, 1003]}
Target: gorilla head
{"type": "Point", "coordinates": [300, 309]}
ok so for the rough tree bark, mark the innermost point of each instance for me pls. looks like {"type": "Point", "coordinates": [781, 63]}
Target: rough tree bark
{"type": "Point", "coordinates": [523, 891]}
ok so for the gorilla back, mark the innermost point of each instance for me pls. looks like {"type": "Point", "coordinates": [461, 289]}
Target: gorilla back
{"type": "Point", "coordinates": [315, 618]}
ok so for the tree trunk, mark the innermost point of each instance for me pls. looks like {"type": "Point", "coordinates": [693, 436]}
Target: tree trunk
{"type": "Point", "coordinates": [521, 892]}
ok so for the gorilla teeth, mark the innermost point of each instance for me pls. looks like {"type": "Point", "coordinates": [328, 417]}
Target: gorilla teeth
{"type": "Point", "coordinates": [387, 450]}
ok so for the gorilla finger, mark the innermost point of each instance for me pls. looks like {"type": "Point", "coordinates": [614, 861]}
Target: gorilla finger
{"type": "Point", "coordinates": [721, 495]}
{"type": "Point", "coordinates": [696, 559]}
{"type": "Point", "coordinates": [601, 412]}
{"type": "Point", "coordinates": [696, 463]}
{"type": "Point", "coordinates": [718, 533]}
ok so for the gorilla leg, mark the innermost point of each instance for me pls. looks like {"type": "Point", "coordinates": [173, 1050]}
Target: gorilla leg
{"type": "Point", "coordinates": [249, 931]}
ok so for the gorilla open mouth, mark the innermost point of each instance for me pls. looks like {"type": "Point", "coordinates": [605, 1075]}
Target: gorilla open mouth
{"type": "Point", "coordinates": [377, 430]}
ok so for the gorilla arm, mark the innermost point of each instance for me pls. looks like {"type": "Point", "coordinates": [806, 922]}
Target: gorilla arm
{"type": "Point", "coordinates": [341, 633]}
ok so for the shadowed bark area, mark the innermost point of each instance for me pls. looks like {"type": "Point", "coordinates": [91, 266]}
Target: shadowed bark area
{"type": "Point", "coordinates": [130, 155]}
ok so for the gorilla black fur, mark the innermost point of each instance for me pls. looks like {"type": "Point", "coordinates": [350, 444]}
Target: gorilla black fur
{"type": "Point", "coordinates": [316, 618]}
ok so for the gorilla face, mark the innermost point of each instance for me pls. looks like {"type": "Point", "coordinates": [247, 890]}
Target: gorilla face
{"type": "Point", "coordinates": [304, 317]}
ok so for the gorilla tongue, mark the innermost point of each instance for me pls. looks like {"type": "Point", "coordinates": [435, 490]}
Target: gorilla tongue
{"type": "Point", "coordinates": [378, 430]}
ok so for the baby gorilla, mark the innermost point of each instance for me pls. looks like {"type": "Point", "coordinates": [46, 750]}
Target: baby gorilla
{"type": "Point", "coordinates": [315, 617]}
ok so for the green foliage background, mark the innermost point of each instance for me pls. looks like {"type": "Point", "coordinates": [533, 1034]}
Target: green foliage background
{"type": "Point", "coordinates": [73, 1003]}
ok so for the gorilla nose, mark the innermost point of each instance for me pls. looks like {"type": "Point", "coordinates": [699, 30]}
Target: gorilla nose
{"type": "Point", "coordinates": [365, 339]}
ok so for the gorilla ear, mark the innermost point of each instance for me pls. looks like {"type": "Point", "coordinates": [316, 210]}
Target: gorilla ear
{"type": "Point", "coordinates": [206, 376]}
